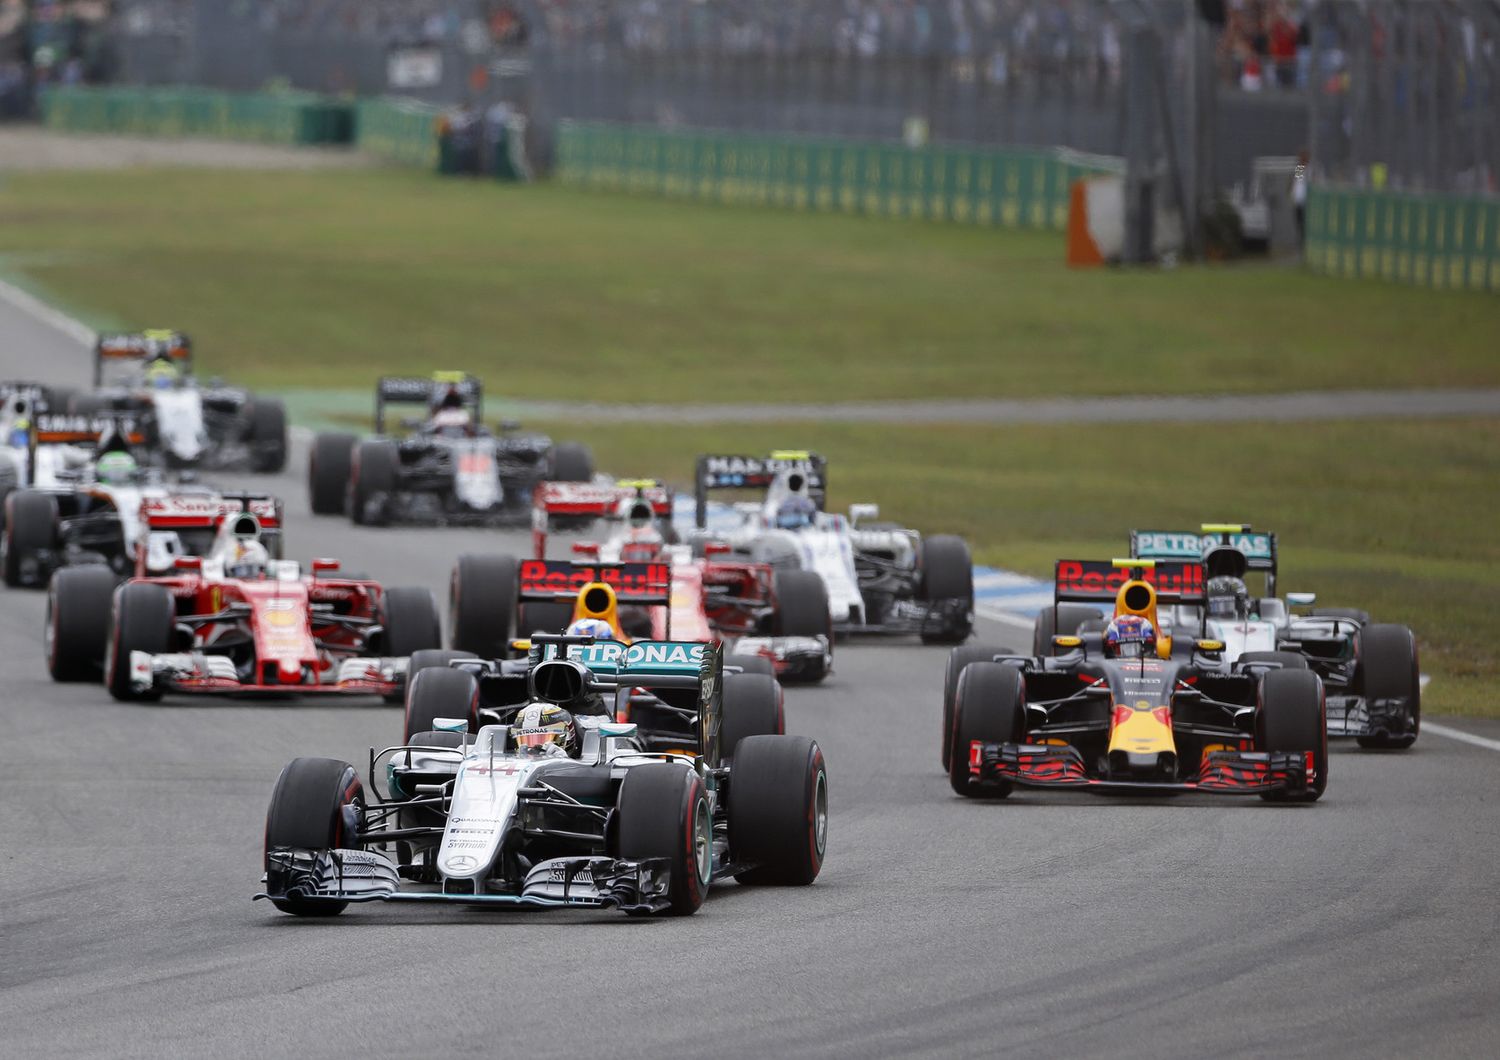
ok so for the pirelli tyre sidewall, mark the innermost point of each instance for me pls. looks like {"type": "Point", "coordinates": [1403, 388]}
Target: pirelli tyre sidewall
{"type": "Point", "coordinates": [142, 620]}
{"type": "Point", "coordinates": [778, 810]}
{"type": "Point", "coordinates": [663, 812]}
{"type": "Point", "coordinates": [753, 706]}
{"type": "Point", "coordinates": [313, 805]}
{"type": "Point", "coordinates": [481, 601]}
{"type": "Point", "coordinates": [329, 466]}
{"type": "Point", "coordinates": [947, 574]}
{"type": "Point", "coordinates": [31, 526]}
{"type": "Point", "coordinates": [989, 706]}
{"type": "Point", "coordinates": [1389, 668]}
{"type": "Point", "coordinates": [77, 631]}
{"type": "Point", "coordinates": [958, 660]}
{"type": "Point", "coordinates": [1291, 715]}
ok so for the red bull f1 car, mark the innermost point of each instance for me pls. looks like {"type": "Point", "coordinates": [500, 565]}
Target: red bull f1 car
{"type": "Point", "coordinates": [1179, 718]}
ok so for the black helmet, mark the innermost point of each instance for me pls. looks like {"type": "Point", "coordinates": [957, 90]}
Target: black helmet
{"type": "Point", "coordinates": [1227, 597]}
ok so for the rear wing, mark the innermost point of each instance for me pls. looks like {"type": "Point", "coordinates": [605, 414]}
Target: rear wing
{"type": "Point", "coordinates": [50, 428]}
{"type": "Point", "coordinates": [425, 390]}
{"type": "Point", "coordinates": [672, 670]}
{"type": "Point", "coordinates": [1258, 547]}
{"type": "Point", "coordinates": [722, 472]}
{"type": "Point", "coordinates": [588, 500]}
{"type": "Point", "coordinates": [30, 398]}
{"type": "Point", "coordinates": [561, 579]}
{"type": "Point", "coordinates": [133, 348]}
{"type": "Point", "coordinates": [199, 510]}
{"type": "Point", "coordinates": [1099, 580]}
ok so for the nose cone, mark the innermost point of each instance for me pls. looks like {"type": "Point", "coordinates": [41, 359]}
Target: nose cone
{"type": "Point", "coordinates": [290, 671]}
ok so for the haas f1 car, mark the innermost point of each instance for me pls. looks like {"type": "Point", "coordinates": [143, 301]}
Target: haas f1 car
{"type": "Point", "coordinates": [529, 791]}
{"type": "Point", "coordinates": [1370, 669]}
{"type": "Point", "coordinates": [447, 470]}
{"type": "Point", "coordinates": [880, 578]}
{"type": "Point", "coordinates": [1148, 715]}
{"type": "Point", "coordinates": [752, 608]}
{"type": "Point", "coordinates": [186, 423]}
{"type": "Point", "coordinates": [236, 622]}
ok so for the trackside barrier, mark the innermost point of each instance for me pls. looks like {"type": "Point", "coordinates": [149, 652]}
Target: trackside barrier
{"type": "Point", "coordinates": [1445, 241]}
{"type": "Point", "coordinates": [268, 117]}
{"type": "Point", "coordinates": [401, 130]}
{"type": "Point", "coordinates": [968, 185]}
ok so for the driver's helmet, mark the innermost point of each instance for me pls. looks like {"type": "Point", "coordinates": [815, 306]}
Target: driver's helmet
{"type": "Point", "coordinates": [20, 432]}
{"type": "Point", "coordinates": [246, 558]}
{"type": "Point", "coordinates": [116, 468]}
{"type": "Point", "coordinates": [795, 513]}
{"type": "Point", "coordinates": [546, 729]}
{"type": "Point", "coordinates": [1130, 637]}
{"type": "Point", "coordinates": [161, 374]}
{"type": "Point", "coordinates": [641, 545]}
{"type": "Point", "coordinates": [1227, 598]}
{"type": "Point", "coordinates": [453, 421]}
{"type": "Point", "coordinates": [640, 514]}
{"type": "Point", "coordinates": [591, 627]}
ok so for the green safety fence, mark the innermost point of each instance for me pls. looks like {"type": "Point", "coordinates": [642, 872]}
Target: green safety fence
{"type": "Point", "coordinates": [401, 130]}
{"type": "Point", "coordinates": [268, 117]}
{"type": "Point", "coordinates": [1443, 241]}
{"type": "Point", "coordinates": [969, 185]}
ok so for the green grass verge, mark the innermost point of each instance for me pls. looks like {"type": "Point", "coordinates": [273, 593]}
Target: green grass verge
{"type": "Point", "coordinates": [1398, 519]}
{"type": "Point", "coordinates": [326, 279]}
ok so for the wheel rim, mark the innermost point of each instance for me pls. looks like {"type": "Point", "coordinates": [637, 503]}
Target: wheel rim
{"type": "Point", "coordinates": [703, 847]}
{"type": "Point", "coordinates": [820, 812]}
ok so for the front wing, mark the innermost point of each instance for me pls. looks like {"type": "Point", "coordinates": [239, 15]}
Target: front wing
{"type": "Point", "coordinates": [633, 886]}
{"type": "Point", "coordinates": [1062, 766]}
{"type": "Point", "coordinates": [197, 672]}
{"type": "Point", "coordinates": [1358, 716]}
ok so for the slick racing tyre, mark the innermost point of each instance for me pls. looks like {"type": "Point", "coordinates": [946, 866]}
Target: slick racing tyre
{"type": "Point", "coordinates": [543, 616]}
{"type": "Point", "coordinates": [753, 706]}
{"type": "Point", "coordinates": [410, 618]}
{"type": "Point", "coordinates": [1291, 717]}
{"type": "Point", "coordinates": [947, 574]}
{"type": "Point", "coordinates": [1289, 660]}
{"type": "Point", "coordinates": [989, 706]}
{"type": "Point", "coordinates": [428, 658]}
{"type": "Point", "coordinates": [802, 611]}
{"type": "Point", "coordinates": [571, 462]}
{"type": "Point", "coordinates": [266, 436]}
{"type": "Point", "coordinates": [328, 469]}
{"type": "Point", "coordinates": [481, 600]}
{"type": "Point", "coordinates": [663, 812]}
{"type": "Point", "coordinates": [30, 528]}
{"type": "Point", "coordinates": [314, 806]}
{"type": "Point", "coordinates": [77, 631]}
{"type": "Point", "coordinates": [372, 480]}
{"type": "Point", "coordinates": [751, 664]}
{"type": "Point", "coordinates": [1388, 669]}
{"type": "Point", "coordinates": [1064, 619]}
{"type": "Point", "coordinates": [439, 692]}
{"type": "Point", "coordinates": [778, 810]}
{"type": "Point", "coordinates": [143, 617]}
{"type": "Point", "coordinates": [958, 659]}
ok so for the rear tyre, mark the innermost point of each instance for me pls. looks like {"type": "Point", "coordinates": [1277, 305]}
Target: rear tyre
{"type": "Point", "coordinates": [142, 621]}
{"type": "Point", "coordinates": [410, 618]}
{"type": "Point", "coordinates": [1291, 717]}
{"type": "Point", "coordinates": [753, 706]}
{"type": "Point", "coordinates": [481, 600]}
{"type": "Point", "coordinates": [30, 528]}
{"type": "Point", "coordinates": [372, 480]}
{"type": "Point", "coordinates": [77, 631]}
{"type": "Point", "coordinates": [989, 705]}
{"type": "Point", "coordinates": [1062, 619]}
{"type": "Point", "coordinates": [267, 436]}
{"type": "Point", "coordinates": [440, 693]}
{"type": "Point", "coordinates": [571, 462]}
{"type": "Point", "coordinates": [778, 810]}
{"type": "Point", "coordinates": [663, 813]}
{"type": "Point", "coordinates": [328, 469]}
{"type": "Point", "coordinates": [948, 574]}
{"type": "Point", "coordinates": [1289, 660]}
{"type": "Point", "coordinates": [958, 659]}
{"type": "Point", "coordinates": [543, 616]}
{"type": "Point", "coordinates": [802, 611]}
{"type": "Point", "coordinates": [1389, 669]}
{"type": "Point", "coordinates": [314, 805]}
{"type": "Point", "coordinates": [752, 664]}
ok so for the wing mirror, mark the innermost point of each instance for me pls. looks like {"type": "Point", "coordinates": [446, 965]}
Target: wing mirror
{"type": "Point", "coordinates": [324, 566]}
{"type": "Point", "coordinates": [1301, 599]}
{"type": "Point", "coordinates": [859, 513]}
{"type": "Point", "coordinates": [716, 548]}
{"type": "Point", "coordinates": [1061, 641]}
{"type": "Point", "coordinates": [188, 563]}
{"type": "Point", "coordinates": [1212, 647]}
{"type": "Point", "coordinates": [450, 724]}
{"type": "Point", "coordinates": [586, 548]}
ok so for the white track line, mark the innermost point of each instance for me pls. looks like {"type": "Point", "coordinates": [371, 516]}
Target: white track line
{"type": "Point", "coordinates": [1005, 618]}
{"type": "Point", "coordinates": [1460, 736]}
{"type": "Point", "coordinates": [38, 310]}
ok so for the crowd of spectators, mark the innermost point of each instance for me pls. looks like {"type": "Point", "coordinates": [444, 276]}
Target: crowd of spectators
{"type": "Point", "coordinates": [1265, 44]}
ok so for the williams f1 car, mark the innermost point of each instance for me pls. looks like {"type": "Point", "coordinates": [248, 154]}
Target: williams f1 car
{"type": "Point", "coordinates": [473, 812]}
{"type": "Point", "coordinates": [1370, 669]}
{"type": "Point", "coordinates": [1174, 717]}
{"type": "Point", "coordinates": [186, 423]}
{"type": "Point", "coordinates": [237, 622]}
{"type": "Point", "coordinates": [752, 608]}
{"type": "Point", "coordinates": [879, 578]}
{"type": "Point", "coordinates": [448, 469]}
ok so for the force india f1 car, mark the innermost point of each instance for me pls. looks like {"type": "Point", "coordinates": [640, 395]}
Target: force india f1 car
{"type": "Point", "coordinates": [879, 578]}
{"type": "Point", "coordinates": [1370, 669]}
{"type": "Point", "coordinates": [234, 622]}
{"type": "Point", "coordinates": [185, 423]}
{"type": "Point", "coordinates": [476, 819]}
{"type": "Point", "coordinates": [752, 608]}
{"type": "Point", "coordinates": [448, 470]}
{"type": "Point", "coordinates": [1181, 719]}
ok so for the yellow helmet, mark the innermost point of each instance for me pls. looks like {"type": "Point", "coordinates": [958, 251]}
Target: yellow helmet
{"type": "Point", "coordinates": [545, 728]}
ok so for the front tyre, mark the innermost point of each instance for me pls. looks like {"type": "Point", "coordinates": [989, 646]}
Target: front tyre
{"type": "Point", "coordinates": [372, 480]}
{"type": "Point", "coordinates": [316, 805]}
{"type": "Point", "coordinates": [947, 576]}
{"type": "Point", "coordinates": [266, 436]}
{"type": "Point", "coordinates": [481, 601]}
{"type": "Point", "coordinates": [143, 618]}
{"type": "Point", "coordinates": [958, 659]}
{"type": "Point", "coordinates": [329, 466]}
{"type": "Point", "coordinates": [77, 630]}
{"type": "Point", "coordinates": [778, 810]}
{"type": "Point", "coordinates": [1291, 717]}
{"type": "Point", "coordinates": [989, 706]}
{"type": "Point", "coordinates": [571, 462]}
{"type": "Point", "coordinates": [663, 813]}
{"type": "Point", "coordinates": [1389, 671]}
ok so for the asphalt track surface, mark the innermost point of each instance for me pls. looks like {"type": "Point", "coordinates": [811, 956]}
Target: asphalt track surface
{"type": "Point", "coordinates": [1044, 925]}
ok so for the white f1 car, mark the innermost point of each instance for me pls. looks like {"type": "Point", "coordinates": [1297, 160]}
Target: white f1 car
{"type": "Point", "coordinates": [880, 578]}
